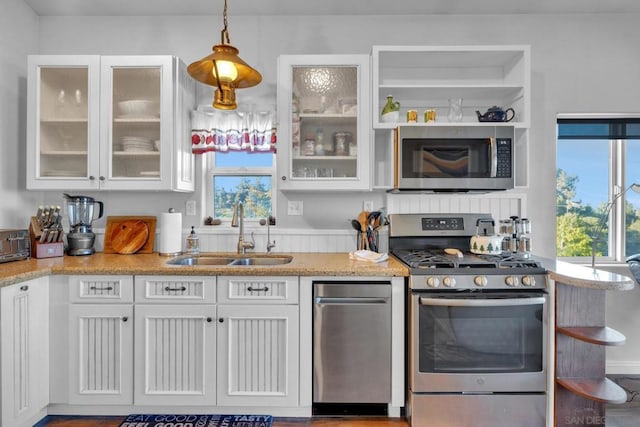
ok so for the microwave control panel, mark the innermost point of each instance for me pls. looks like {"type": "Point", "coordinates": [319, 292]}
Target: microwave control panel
{"type": "Point", "coordinates": [504, 158]}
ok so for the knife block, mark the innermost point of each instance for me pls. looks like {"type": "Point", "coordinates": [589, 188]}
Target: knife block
{"type": "Point", "coordinates": [40, 249]}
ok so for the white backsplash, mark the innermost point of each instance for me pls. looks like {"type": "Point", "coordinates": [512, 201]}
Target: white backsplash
{"type": "Point", "coordinates": [223, 238]}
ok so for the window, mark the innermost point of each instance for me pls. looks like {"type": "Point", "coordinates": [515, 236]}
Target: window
{"type": "Point", "coordinates": [598, 159]}
{"type": "Point", "coordinates": [240, 176]}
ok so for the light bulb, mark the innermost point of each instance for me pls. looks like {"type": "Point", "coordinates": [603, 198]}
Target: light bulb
{"type": "Point", "coordinates": [226, 70]}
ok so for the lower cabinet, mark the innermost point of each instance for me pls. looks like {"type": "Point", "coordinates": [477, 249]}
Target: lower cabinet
{"type": "Point", "coordinates": [100, 340]}
{"type": "Point", "coordinates": [258, 355]}
{"type": "Point", "coordinates": [177, 341]}
{"type": "Point", "coordinates": [100, 357]}
{"type": "Point", "coordinates": [24, 353]}
{"type": "Point", "coordinates": [175, 350]}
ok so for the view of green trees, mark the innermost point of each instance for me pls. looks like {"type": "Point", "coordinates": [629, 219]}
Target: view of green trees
{"type": "Point", "coordinates": [253, 191]}
{"type": "Point", "coordinates": [576, 222]}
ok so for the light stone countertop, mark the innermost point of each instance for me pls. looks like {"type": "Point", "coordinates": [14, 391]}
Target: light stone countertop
{"type": "Point", "coordinates": [586, 277]}
{"type": "Point", "coordinates": [302, 264]}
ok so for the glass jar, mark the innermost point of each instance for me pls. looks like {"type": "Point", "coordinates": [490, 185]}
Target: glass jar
{"type": "Point", "coordinates": [308, 146]}
{"type": "Point", "coordinates": [342, 143]}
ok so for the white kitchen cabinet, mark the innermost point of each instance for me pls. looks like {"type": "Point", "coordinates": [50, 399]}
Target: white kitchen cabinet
{"type": "Point", "coordinates": [258, 360]}
{"type": "Point", "coordinates": [24, 354]}
{"type": "Point", "coordinates": [324, 136]}
{"type": "Point", "coordinates": [175, 352]}
{"type": "Point", "coordinates": [109, 123]}
{"type": "Point", "coordinates": [427, 77]}
{"type": "Point", "coordinates": [100, 354]}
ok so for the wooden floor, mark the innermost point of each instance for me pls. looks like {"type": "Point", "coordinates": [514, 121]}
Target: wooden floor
{"type": "Point", "coordinates": [278, 422]}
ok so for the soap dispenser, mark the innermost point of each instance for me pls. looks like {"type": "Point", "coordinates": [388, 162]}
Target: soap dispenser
{"type": "Point", "coordinates": [193, 242]}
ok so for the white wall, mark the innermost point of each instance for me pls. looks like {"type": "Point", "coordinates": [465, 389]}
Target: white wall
{"type": "Point", "coordinates": [18, 37]}
{"type": "Point", "coordinates": [580, 63]}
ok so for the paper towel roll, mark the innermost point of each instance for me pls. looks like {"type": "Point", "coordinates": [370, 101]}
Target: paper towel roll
{"type": "Point", "coordinates": [170, 233]}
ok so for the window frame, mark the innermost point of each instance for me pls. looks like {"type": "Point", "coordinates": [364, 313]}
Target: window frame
{"type": "Point", "coordinates": [211, 171]}
{"type": "Point", "coordinates": [617, 166]}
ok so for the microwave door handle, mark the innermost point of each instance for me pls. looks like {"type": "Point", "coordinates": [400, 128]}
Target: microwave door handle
{"type": "Point", "coordinates": [479, 302]}
{"type": "Point", "coordinates": [493, 154]}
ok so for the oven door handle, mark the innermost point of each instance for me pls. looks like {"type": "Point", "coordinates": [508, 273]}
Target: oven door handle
{"type": "Point", "coordinates": [478, 302]}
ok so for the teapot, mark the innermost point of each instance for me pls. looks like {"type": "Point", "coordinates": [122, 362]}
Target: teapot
{"type": "Point", "coordinates": [485, 243]}
{"type": "Point", "coordinates": [496, 114]}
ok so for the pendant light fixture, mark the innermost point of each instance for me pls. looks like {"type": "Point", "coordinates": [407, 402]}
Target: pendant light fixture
{"type": "Point", "coordinates": [225, 70]}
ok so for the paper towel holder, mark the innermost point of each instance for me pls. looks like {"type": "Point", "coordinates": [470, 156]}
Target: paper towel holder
{"type": "Point", "coordinates": [170, 245]}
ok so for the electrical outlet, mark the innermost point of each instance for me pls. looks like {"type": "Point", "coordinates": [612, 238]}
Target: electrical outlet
{"type": "Point", "coordinates": [367, 205]}
{"type": "Point", "coordinates": [190, 208]}
{"type": "Point", "coordinates": [294, 207]}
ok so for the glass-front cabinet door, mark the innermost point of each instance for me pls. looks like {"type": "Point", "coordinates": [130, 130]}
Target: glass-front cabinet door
{"type": "Point", "coordinates": [63, 121]}
{"type": "Point", "coordinates": [137, 99]}
{"type": "Point", "coordinates": [324, 128]}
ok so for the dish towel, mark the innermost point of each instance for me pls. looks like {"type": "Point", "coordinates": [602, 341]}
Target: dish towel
{"type": "Point", "coordinates": [369, 256]}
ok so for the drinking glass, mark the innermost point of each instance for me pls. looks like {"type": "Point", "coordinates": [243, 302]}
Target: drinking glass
{"type": "Point", "coordinates": [455, 110]}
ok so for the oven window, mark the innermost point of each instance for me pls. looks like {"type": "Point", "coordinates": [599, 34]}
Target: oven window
{"type": "Point", "coordinates": [480, 339]}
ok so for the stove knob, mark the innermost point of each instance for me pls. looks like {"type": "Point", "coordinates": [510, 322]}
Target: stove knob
{"type": "Point", "coordinates": [480, 281]}
{"type": "Point", "coordinates": [528, 281]}
{"type": "Point", "coordinates": [511, 281]}
{"type": "Point", "coordinates": [449, 282]}
{"type": "Point", "coordinates": [433, 282]}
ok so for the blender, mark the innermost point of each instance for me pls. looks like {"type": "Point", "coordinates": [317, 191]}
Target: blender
{"type": "Point", "coordinates": [81, 213]}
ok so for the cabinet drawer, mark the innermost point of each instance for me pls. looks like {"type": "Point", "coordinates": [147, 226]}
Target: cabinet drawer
{"type": "Point", "coordinates": [102, 289]}
{"type": "Point", "coordinates": [175, 289]}
{"type": "Point", "coordinates": [259, 289]}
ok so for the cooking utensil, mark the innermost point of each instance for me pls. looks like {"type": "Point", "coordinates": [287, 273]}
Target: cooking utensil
{"type": "Point", "coordinates": [364, 223]}
{"type": "Point", "coordinates": [114, 222]}
{"type": "Point", "coordinates": [485, 243]}
{"type": "Point", "coordinates": [129, 237]}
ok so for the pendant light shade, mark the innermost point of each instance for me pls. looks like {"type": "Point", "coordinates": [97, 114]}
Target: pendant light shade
{"type": "Point", "coordinates": [225, 70]}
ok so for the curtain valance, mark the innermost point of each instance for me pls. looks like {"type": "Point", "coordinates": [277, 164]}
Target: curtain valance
{"type": "Point", "coordinates": [233, 130]}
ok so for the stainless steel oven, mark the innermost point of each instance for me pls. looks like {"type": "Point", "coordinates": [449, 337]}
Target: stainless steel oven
{"type": "Point", "coordinates": [478, 341]}
{"type": "Point", "coordinates": [478, 327]}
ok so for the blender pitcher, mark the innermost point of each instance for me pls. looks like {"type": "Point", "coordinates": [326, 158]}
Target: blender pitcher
{"type": "Point", "coordinates": [81, 212]}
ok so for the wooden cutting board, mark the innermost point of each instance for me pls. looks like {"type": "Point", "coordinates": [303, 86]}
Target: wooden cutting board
{"type": "Point", "coordinates": [129, 234]}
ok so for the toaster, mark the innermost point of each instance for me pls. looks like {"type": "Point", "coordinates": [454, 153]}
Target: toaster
{"type": "Point", "coordinates": [15, 244]}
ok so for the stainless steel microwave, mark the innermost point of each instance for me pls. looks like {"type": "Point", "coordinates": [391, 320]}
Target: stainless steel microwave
{"type": "Point", "coordinates": [453, 163]}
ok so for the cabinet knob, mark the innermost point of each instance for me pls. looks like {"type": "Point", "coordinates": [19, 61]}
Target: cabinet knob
{"type": "Point", "coordinates": [209, 320]}
{"type": "Point", "coordinates": [284, 178]}
{"type": "Point", "coordinates": [125, 318]}
{"type": "Point", "coordinates": [102, 178]}
{"type": "Point", "coordinates": [24, 288]}
{"type": "Point", "coordinates": [92, 178]}
{"type": "Point", "coordinates": [221, 320]}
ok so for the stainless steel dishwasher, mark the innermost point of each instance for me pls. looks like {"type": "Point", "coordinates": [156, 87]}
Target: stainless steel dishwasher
{"type": "Point", "coordinates": [351, 342]}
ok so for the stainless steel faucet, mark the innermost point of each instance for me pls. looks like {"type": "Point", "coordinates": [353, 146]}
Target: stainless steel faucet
{"type": "Point", "coordinates": [270, 244]}
{"type": "Point", "coordinates": [238, 221]}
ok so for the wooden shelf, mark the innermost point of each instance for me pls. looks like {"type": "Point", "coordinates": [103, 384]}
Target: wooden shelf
{"type": "Point", "coordinates": [598, 389]}
{"type": "Point", "coordinates": [594, 335]}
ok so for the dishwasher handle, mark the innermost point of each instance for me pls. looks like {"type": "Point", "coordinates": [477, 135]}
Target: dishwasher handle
{"type": "Point", "coordinates": [350, 300]}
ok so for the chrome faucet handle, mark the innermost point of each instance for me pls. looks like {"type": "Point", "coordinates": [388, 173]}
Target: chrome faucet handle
{"type": "Point", "coordinates": [270, 245]}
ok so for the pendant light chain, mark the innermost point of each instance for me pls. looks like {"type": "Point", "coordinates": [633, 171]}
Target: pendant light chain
{"type": "Point", "coordinates": [225, 32]}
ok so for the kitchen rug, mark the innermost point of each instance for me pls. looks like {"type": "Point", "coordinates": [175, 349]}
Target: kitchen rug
{"type": "Point", "coordinates": [179, 420]}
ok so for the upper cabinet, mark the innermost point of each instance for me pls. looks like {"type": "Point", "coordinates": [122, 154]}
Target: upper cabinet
{"type": "Point", "coordinates": [109, 123]}
{"type": "Point", "coordinates": [455, 82]}
{"type": "Point", "coordinates": [324, 136]}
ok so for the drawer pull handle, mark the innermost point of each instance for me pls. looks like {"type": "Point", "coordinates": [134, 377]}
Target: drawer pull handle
{"type": "Point", "coordinates": [181, 289]}
{"type": "Point", "coordinates": [95, 288]}
{"type": "Point", "coordinates": [24, 288]}
{"type": "Point", "coordinates": [125, 318]}
{"type": "Point", "coordinates": [252, 289]}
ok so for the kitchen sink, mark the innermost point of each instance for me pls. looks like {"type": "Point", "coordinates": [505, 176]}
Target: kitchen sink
{"type": "Point", "coordinates": [262, 260]}
{"type": "Point", "coordinates": [226, 260]}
